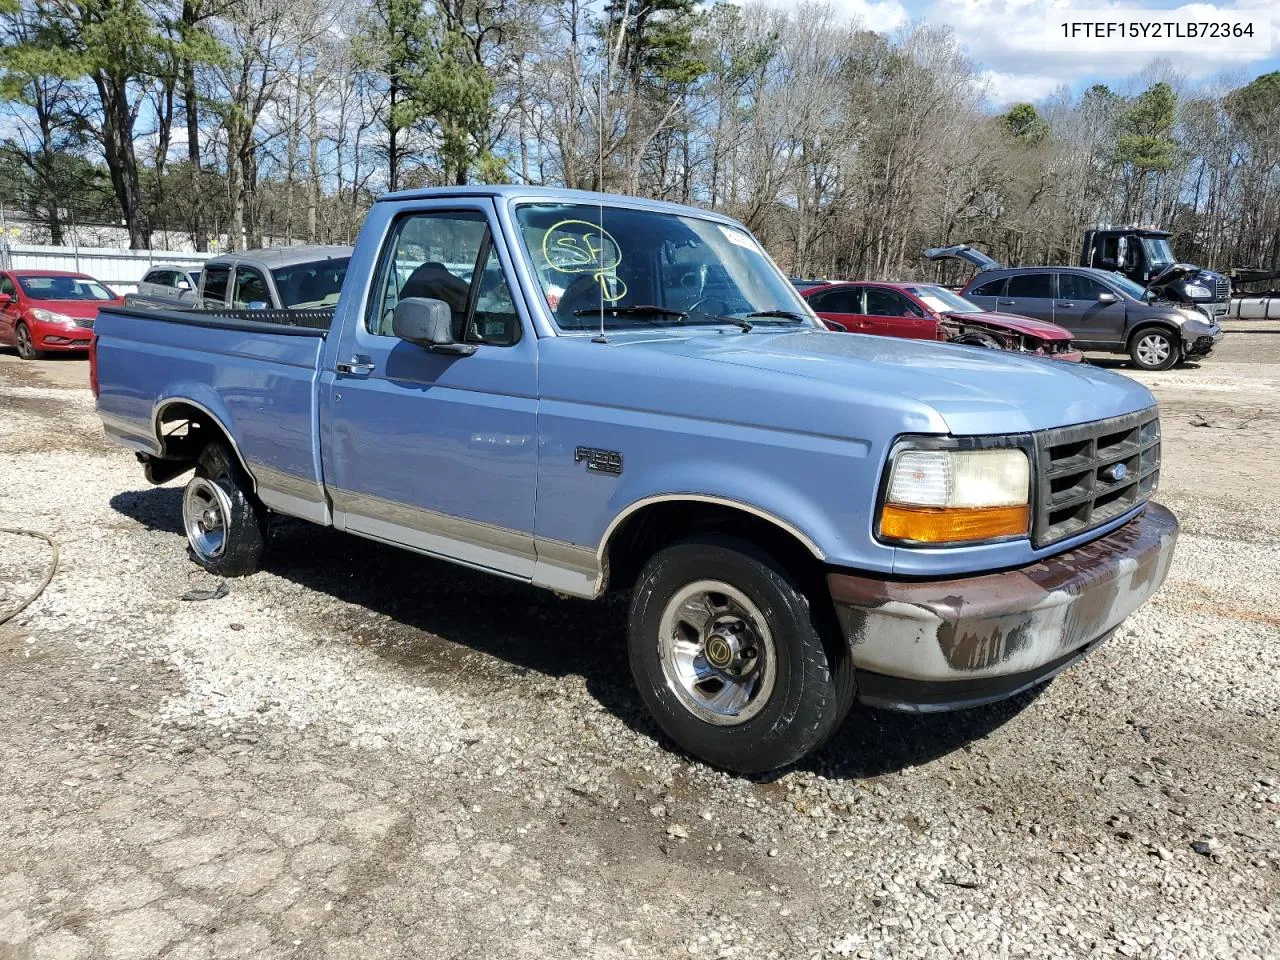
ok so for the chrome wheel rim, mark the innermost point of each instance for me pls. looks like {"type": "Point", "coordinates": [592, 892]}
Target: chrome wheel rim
{"type": "Point", "coordinates": [205, 510]}
{"type": "Point", "coordinates": [718, 656]}
{"type": "Point", "coordinates": [1153, 349]}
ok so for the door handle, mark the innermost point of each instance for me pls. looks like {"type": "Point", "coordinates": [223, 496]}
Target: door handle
{"type": "Point", "coordinates": [1006, 303]}
{"type": "Point", "coordinates": [357, 366]}
{"type": "Point", "coordinates": [1064, 304]}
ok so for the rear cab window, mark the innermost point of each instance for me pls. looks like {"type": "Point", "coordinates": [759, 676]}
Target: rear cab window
{"type": "Point", "coordinates": [216, 280]}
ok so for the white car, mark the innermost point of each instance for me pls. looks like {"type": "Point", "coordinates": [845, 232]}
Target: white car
{"type": "Point", "coordinates": [164, 286]}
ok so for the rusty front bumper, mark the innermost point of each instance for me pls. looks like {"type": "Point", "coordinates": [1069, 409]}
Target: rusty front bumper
{"type": "Point", "coordinates": [943, 645]}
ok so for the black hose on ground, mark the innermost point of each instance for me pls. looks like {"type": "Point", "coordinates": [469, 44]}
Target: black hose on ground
{"type": "Point", "coordinates": [48, 577]}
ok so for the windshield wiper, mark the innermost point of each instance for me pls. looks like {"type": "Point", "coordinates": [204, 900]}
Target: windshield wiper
{"type": "Point", "coordinates": [792, 315]}
{"type": "Point", "coordinates": [637, 310]}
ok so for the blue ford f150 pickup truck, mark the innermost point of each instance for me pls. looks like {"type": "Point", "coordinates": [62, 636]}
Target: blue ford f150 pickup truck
{"type": "Point", "coordinates": [594, 394]}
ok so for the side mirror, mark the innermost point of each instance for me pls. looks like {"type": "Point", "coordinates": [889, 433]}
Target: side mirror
{"type": "Point", "coordinates": [428, 323]}
{"type": "Point", "coordinates": [5, 299]}
{"type": "Point", "coordinates": [1122, 251]}
{"type": "Point", "coordinates": [1106, 298]}
{"type": "Point", "coordinates": [257, 305]}
{"type": "Point", "coordinates": [183, 285]}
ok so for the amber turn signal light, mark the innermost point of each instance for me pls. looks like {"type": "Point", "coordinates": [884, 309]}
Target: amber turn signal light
{"type": "Point", "coordinates": [953, 524]}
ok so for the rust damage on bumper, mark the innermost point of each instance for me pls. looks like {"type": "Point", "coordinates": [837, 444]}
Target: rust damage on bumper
{"type": "Point", "coordinates": [995, 625]}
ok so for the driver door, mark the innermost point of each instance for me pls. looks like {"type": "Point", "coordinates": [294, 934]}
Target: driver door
{"type": "Point", "coordinates": [437, 451]}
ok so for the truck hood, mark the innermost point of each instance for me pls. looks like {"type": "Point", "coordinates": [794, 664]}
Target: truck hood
{"type": "Point", "coordinates": [1018, 324]}
{"type": "Point", "coordinates": [975, 391]}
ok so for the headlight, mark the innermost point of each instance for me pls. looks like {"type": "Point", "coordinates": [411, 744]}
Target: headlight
{"type": "Point", "coordinates": [1198, 292]}
{"type": "Point", "coordinates": [50, 316]}
{"type": "Point", "coordinates": [956, 496]}
{"type": "Point", "coordinates": [1195, 316]}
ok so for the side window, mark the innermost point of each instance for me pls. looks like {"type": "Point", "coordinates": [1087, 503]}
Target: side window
{"type": "Point", "coordinates": [1111, 249]}
{"type": "Point", "coordinates": [840, 300]}
{"type": "Point", "coordinates": [1032, 286]}
{"type": "Point", "coordinates": [889, 303]}
{"type": "Point", "coordinates": [152, 276]}
{"type": "Point", "coordinates": [992, 288]}
{"type": "Point", "coordinates": [215, 283]}
{"type": "Point", "coordinates": [449, 257]}
{"type": "Point", "coordinates": [6, 286]}
{"type": "Point", "coordinates": [250, 288]}
{"type": "Point", "coordinates": [1075, 286]}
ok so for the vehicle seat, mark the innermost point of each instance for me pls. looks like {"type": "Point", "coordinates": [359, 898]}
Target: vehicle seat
{"type": "Point", "coordinates": [582, 294]}
{"type": "Point", "coordinates": [434, 281]}
{"type": "Point", "coordinates": [62, 288]}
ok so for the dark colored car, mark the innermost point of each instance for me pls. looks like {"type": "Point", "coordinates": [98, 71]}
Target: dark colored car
{"type": "Point", "coordinates": [1104, 311]}
{"type": "Point", "coordinates": [925, 311]}
{"type": "Point", "coordinates": [50, 310]}
{"type": "Point", "coordinates": [803, 285]}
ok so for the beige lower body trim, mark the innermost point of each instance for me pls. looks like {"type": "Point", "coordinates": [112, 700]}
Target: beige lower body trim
{"type": "Point", "coordinates": [563, 567]}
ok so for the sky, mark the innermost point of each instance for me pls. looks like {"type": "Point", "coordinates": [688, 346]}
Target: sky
{"type": "Point", "coordinates": [1006, 40]}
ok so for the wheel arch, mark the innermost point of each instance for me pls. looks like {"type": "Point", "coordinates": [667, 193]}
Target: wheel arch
{"type": "Point", "coordinates": [186, 447]}
{"type": "Point", "coordinates": [1164, 323]}
{"type": "Point", "coordinates": [652, 522]}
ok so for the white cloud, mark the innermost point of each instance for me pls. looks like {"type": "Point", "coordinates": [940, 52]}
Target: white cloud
{"type": "Point", "coordinates": [882, 16]}
{"type": "Point", "coordinates": [1006, 88]}
{"type": "Point", "coordinates": [1008, 38]}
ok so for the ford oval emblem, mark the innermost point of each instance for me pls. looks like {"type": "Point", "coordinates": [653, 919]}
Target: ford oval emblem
{"type": "Point", "coordinates": [1115, 473]}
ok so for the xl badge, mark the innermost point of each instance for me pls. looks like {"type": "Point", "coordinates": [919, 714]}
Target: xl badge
{"type": "Point", "coordinates": [600, 461]}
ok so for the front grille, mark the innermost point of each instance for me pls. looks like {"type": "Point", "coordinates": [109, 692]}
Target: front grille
{"type": "Point", "coordinates": [1222, 289]}
{"type": "Point", "coordinates": [86, 322]}
{"type": "Point", "coordinates": [1076, 475]}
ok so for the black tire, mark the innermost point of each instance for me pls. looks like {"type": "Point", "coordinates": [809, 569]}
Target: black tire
{"type": "Point", "coordinates": [812, 686]}
{"type": "Point", "coordinates": [220, 484]}
{"type": "Point", "coordinates": [1154, 348]}
{"type": "Point", "coordinates": [979, 340]}
{"type": "Point", "coordinates": [26, 346]}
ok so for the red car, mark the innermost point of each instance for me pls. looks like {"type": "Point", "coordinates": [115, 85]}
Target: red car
{"type": "Point", "coordinates": [925, 311]}
{"type": "Point", "coordinates": [50, 310]}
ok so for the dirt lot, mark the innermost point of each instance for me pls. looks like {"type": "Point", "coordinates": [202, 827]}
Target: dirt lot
{"type": "Point", "coordinates": [362, 754]}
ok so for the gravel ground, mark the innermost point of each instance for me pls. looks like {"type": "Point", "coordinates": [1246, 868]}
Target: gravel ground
{"type": "Point", "coordinates": [360, 753]}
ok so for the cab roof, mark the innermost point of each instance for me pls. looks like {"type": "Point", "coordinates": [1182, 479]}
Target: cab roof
{"type": "Point", "coordinates": [509, 192]}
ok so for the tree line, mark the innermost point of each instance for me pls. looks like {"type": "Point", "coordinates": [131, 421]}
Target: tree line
{"type": "Point", "coordinates": [846, 151]}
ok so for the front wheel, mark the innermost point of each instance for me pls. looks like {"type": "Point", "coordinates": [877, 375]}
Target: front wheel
{"type": "Point", "coordinates": [26, 346]}
{"type": "Point", "coordinates": [226, 525]}
{"type": "Point", "coordinates": [1153, 348]}
{"type": "Point", "coordinates": [730, 658]}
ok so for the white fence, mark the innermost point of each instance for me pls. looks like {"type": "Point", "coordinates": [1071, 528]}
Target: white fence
{"type": "Point", "coordinates": [119, 269]}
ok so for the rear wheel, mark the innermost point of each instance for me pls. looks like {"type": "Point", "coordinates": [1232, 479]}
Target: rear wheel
{"type": "Point", "coordinates": [730, 658]}
{"type": "Point", "coordinates": [1154, 348]}
{"type": "Point", "coordinates": [225, 523]}
{"type": "Point", "coordinates": [26, 346]}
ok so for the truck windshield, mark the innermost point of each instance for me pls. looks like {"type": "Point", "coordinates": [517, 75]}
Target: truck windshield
{"type": "Point", "coordinates": [642, 268]}
{"type": "Point", "coordinates": [306, 286]}
{"type": "Point", "coordinates": [943, 300]}
{"type": "Point", "coordinates": [1159, 252]}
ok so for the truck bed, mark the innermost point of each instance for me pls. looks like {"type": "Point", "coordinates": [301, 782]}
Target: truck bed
{"type": "Point", "coordinates": [250, 373]}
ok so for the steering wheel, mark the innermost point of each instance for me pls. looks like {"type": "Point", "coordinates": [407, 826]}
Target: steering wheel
{"type": "Point", "coordinates": [696, 306]}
